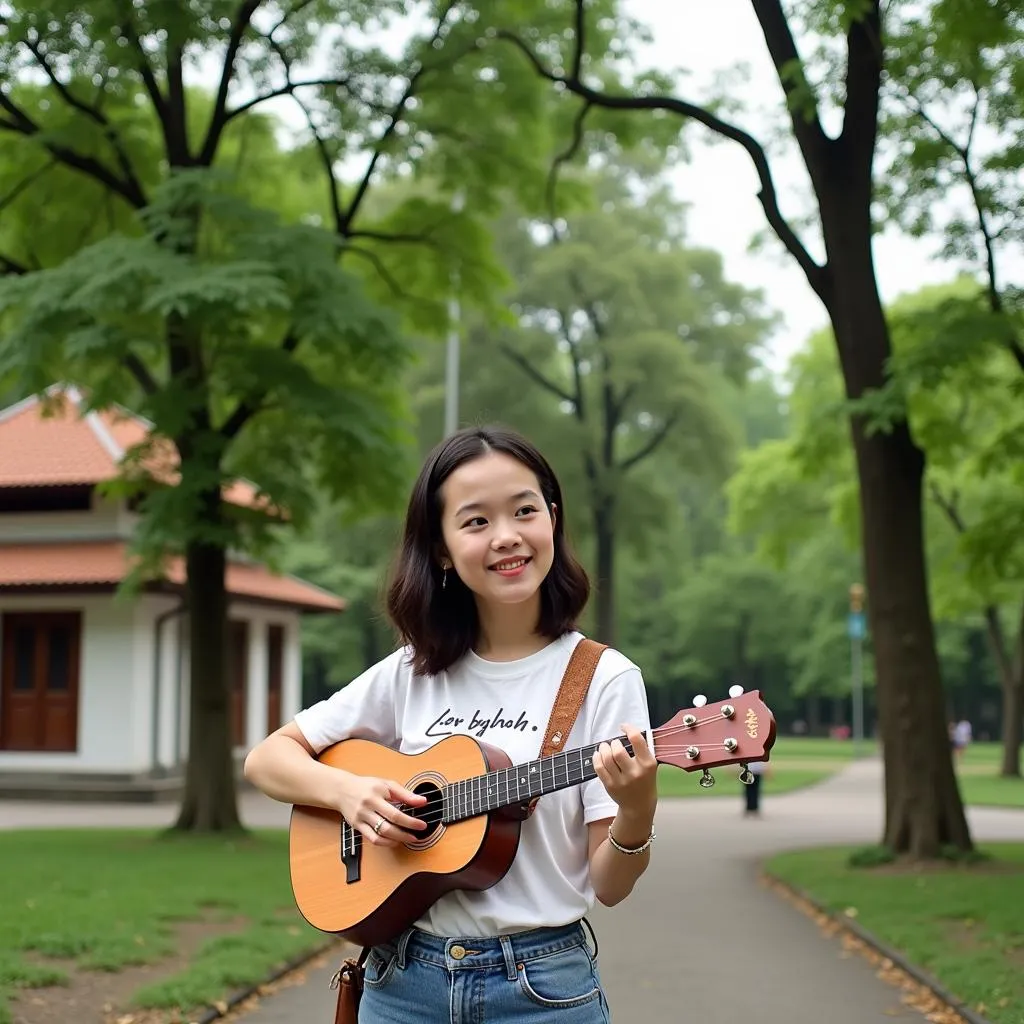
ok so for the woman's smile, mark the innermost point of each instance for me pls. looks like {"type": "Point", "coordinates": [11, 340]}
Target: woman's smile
{"type": "Point", "coordinates": [511, 567]}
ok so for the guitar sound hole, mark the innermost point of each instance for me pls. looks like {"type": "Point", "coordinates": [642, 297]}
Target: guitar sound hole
{"type": "Point", "coordinates": [430, 812]}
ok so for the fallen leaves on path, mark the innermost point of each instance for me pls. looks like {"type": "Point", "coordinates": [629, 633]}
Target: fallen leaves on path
{"type": "Point", "coordinates": [912, 993]}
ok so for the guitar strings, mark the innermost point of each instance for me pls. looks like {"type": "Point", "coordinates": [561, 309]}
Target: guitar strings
{"type": "Point", "coordinates": [434, 809]}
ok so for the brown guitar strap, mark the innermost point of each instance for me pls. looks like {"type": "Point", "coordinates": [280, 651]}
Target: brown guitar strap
{"type": "Point", "coordinates": [571, 694]}
{"type": "Point", "coordinates": [569, 699]}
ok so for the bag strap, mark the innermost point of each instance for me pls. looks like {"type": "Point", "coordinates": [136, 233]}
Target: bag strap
{"type": "Point", "coordinates": [571, 694]}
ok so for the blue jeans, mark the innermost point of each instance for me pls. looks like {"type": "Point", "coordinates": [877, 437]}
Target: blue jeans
{"type": "Point", "coordinates": [542, 976]}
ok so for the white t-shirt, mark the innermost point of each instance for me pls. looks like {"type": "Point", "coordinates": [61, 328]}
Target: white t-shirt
{"type": "Point", "coordinates": [507, 705]}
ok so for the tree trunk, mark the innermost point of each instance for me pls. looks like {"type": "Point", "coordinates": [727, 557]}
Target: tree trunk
{"type": "Point", "coordinates": [813, 714]}
{"type": "Point", "coordinates": [1013, 731]}
{"type": "Point", "coordinates": [209, 803]}
{"type": "Point", "coordinates": [1011, 678]}
{"type": "Point", "coordinates": [604, 539]}
{"type": "Point", "coordinates": [923, 809]}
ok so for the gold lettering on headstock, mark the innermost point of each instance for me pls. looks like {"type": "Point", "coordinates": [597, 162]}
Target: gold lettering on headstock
{"type": "Point", "coordinates": [751, 721]}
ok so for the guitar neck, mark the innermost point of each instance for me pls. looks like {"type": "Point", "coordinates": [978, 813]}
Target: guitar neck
{"type": "Point", "coordinates": [521, 783]}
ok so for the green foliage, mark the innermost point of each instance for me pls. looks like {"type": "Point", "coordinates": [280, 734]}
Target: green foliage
{"type": "Point", "coordinates": [957, 921]}
{"type": "Point", "coordinates": [953, 126]}
{"type": "Point", "coordinates": [280, 327]}
{"type": "Point", "coordinates": [958, 383]}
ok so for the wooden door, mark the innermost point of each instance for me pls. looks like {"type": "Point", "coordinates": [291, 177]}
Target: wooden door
{"type": "Point", "coordinates": [275, 675]}
{"type": "Point", "coordinates": [238, 678]}
{"type": "Point", "coordinates": [39, 679]}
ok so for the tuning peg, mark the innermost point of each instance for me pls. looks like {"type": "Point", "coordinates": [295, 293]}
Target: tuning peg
{"type": "Point", "coordinates": [707, 780]}
{"type": "Point", "coordinates": [746, 776]}
{"type": "Point", "coordinates": [735, 690]}
{"type": "Point", "coordinates": [700, 700]}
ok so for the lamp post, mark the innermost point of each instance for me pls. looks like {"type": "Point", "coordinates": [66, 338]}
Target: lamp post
{"type": "Point", "coordinates": [451, 370]}
{"type": "Point", "coordinates": [856, 628]}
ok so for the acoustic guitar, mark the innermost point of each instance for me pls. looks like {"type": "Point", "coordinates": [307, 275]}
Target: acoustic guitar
{"type": "Point", "coordinates": [476, 803]}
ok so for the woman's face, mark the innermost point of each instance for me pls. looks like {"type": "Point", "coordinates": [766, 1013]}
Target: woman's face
{"type": "Point", "coordinates": [496, 528]}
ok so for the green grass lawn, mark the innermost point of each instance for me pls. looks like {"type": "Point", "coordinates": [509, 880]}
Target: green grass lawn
{"type": "Point", "coordinates": [795, 762]}
{"type": "Point", "coordinates": [798, 761]}
{"type": "Point", "coordinates": [102, 900]}
{"type": "Point", "coordinates": [960, 923]}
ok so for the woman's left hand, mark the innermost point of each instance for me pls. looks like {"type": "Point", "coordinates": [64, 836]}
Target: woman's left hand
{"type": "Point", "coordinates": [632, 782]}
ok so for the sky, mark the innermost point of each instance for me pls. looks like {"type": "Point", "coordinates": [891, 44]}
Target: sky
{"type": "Point", "coordinates": [707, 39]}
{"type": "Point", "coordinates": [703, 40]}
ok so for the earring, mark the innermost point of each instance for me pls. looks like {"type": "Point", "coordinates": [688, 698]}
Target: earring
{"type": "Point", "coordinates": [444, 578]}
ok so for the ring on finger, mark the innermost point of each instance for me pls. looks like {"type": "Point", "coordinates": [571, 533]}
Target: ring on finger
{"type": "Point", "coordinates": [381, 822]}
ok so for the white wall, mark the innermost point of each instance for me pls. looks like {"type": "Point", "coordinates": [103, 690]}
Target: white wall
{"type": "Point", "coordinates": [259, 618]}
{"type": "Point", "coordinates": [116, 676]}
{"type": "Point", "coordinates": [107, 520]}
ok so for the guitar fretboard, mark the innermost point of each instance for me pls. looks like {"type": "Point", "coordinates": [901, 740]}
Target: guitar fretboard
{"type": "Point", "coordinates": [520, 783]}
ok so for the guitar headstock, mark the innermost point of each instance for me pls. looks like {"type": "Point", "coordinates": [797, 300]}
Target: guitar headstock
{"type": "Point", "coordinates": [734, 731]}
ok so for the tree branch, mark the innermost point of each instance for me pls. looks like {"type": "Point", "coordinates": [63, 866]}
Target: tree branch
{"type": "Point", "coordinates": [816, 275]}
{"type": "Point", "coordinates": [145, 70]}
{"type": "Point", "coordinates": [399, 237]}
{"type": "Point", "coordinates": [288, 89]}
{"type": "Point", "coordinates": [218, 118]}
{"type": "Point", "coordinates": [653, 441]}
{"type": "Point", "coordinates": [534, 374]}
{"type": "Point", "coordinates": [9, 266]}
{"type": "Point", "coordinates": [93, 113]}
{"type": "Point", "coordinates": [386, 275]}
{"type": "Point", "coordinates": [995, 298]}
{"type": "Point", "coordinates": [579, 403]}
{"type": "Point", "coordinates": [864, 63]}
{"type": "Point", "coordinates": [948, 506]}
{"type": "Point", "coordinates": [25, 183]}
{"type": "Point", "coordinates": [997, 642]}
{"type": "Point", "coordinates": [562, 158]}
{"type": "Point", "coordinates": [138, 370]}
{"type": "Point", "coordinates": [789, 68]}
{"type": "Point", "coordinates": [128, 189]}
{"type": "Point", "coordinates": [395, 119]}
{"type": "Point", "coordinates": [581, 41]}
{"type": "Point", "coordinates": [247, 408]}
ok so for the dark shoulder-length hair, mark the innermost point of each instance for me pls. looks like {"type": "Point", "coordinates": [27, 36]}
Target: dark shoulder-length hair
{"type": "Point", "coordinates": [440, 624]}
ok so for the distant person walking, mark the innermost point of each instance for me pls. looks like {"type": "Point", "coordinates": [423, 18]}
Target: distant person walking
{"type": "Point", "coordinates": [962, 734]}
{"type": "Point", "coordinates": [752, 793]}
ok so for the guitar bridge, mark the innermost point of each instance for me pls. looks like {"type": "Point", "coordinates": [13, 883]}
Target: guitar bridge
{"type": "Point", "coordinates": [351, 851]}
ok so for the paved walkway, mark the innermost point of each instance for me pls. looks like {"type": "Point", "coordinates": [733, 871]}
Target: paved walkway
{"type": "Point", "coordinates": [699, 939]}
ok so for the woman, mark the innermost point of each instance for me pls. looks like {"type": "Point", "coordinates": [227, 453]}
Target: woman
{"type": "Point", "coordinates": [485, 596]}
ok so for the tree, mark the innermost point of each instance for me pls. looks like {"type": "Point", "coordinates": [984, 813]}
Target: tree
{"type": "Point", "coordinates": [636, 336]}
{"type": "Point", "coordinates": [953, 130]}
{"type": "Point", "coordinates": [924, 811]}
{"type": "Point", "coordinates": [952, 370]}
{"type": "Point", "coordinates": [237, 330]}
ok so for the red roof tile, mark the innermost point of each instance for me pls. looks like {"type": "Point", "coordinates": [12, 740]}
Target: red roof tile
{"type": "Point", "coordinates": [106, 563]}
{"type": "Point", "coordinates": [59, 445]}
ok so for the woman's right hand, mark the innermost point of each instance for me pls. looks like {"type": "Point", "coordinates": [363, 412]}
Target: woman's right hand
{"type": "Point", "coordinates": [363, 802]}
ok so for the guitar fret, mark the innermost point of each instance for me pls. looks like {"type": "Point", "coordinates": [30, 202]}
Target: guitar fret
{"type": "Point", "coordinates": [520, 783]}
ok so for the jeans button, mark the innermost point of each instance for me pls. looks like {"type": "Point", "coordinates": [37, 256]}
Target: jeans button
{"type": "Point", "coordinates": [457, 952]}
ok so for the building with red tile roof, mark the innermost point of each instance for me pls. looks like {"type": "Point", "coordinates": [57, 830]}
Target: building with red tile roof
{"type": "Point", "coordinates": [94, 684]}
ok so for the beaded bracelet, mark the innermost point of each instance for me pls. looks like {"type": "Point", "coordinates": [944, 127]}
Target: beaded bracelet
{"type": "Point", "coordinates": [625, 849]}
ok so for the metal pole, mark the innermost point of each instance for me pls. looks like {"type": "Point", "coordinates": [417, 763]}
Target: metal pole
{"type": "Point", "coordinates": [451, 375]}
{"type": "Point", "coordinates": [856, 630]}
{"type": "Point", "coordinates": [858, 696]}
{"type": "Point", "coordinates": [451, 381]}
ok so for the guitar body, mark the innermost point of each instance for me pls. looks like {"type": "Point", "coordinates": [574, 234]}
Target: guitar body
{"type": "Point", "coordinates": [369, 894]}
{"type": "Point", "coordinates": [377, 892]}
